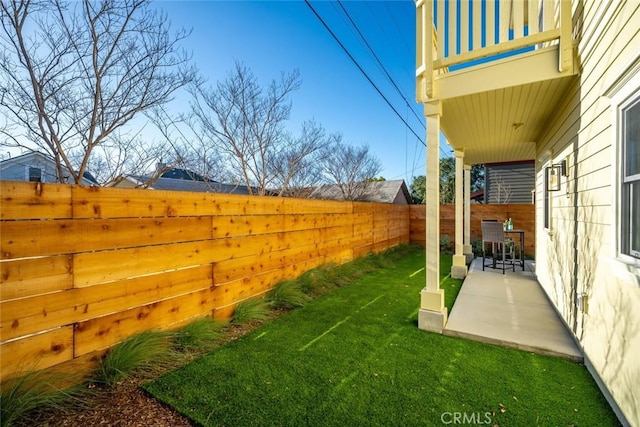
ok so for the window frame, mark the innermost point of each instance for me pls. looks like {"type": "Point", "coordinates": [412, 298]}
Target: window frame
{"type": "Point", "coordinates": [623, 91]}
{"type": "Point", "coordinates": [626, 182]}
{"type": "Point", "coordinates": [34, 174]}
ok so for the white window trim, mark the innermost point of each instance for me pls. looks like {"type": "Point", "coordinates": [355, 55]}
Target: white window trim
{"type": "Point", "coordinates": [622, 92]}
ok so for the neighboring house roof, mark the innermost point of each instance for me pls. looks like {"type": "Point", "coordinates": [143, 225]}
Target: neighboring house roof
{"type": "Point", "coordinates": [29, 166]}
{"type": "Point", "coordinates": [182, 184]}
{"type": "Point", "coordinates": [477, 196]}
{"type": "Point", "coordinates": [177, 173]}
{"type": "Point", "coordinates": [394, 191]}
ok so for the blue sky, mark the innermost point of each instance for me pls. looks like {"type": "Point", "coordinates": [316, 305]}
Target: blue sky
{"type": "Point", "coordinates": [274, 36]}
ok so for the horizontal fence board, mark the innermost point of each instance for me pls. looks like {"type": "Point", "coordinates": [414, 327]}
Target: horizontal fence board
{"type": "Point", "coordinates": [22, 239]}
{"type": "Point", "coordinates": [366, 208]}
{"type": "Point", "coordinates": [247, 287]}
{"type": "Point", "coordinates": [30, 315]}
{"type": "Point", "coordinates": [109, 266]}
{"type": "Point", "coordinates": [25, 200]}
{"type": "Point", "coordinates": [237, 268]}
{"type": "Point", "coordinates": [232, 204]}
{"type": "Point", "coordinates": [36, 352]}
{"type": "Point", "coordinates": [298, 269]}
{"type": "Point", "coordinates": [363, 240]}
{"type": "Point", "coordinates": [223, 313]}
{"type": "Point", "coordinates": [103, 332]}
{"type": "Point", "coordinates": [236, 247]}
{"type": "Point", "coordinates": [27, 277]}
{"type": "Point", "coordinates": [310, 206]}
{"type": "Point", "coordinates": [301, 238]}
{"type": "Point", "coordinates": [339, 232]}
{"type": "Point", "coordinates": [100, 202]}
{"type": "Point", "coordinates": [362, 250]}
{"type": "Point", "coordinates": [247, 225]}
{"type": "Point", "coordinates": [296, 222]}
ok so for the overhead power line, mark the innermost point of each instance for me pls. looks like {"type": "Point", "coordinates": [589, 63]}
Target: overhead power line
{"type": "Point", "coordinates": [384, 69]}
{"type": "Point", "coordinates": [362, 71]}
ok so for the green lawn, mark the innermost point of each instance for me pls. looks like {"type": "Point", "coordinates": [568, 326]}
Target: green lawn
{"type": "Point", "coordinates": [355, 356]}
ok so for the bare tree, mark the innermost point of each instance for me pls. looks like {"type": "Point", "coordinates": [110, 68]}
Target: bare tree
{"type": "Point", "coordinates": [187, 151]}
{"type": "Point", "coordinates": [72, 75]}
{"type": "Point", "coordinates": [501, 193]}
{"type": "Point", "coordinates": [297, 167]}
{"type": "Point", "coordinates": [244, 122]}
{"type": "Point", "coordinates": [351, 169]}
{"type": "Point", "coordinates": [108, 161]}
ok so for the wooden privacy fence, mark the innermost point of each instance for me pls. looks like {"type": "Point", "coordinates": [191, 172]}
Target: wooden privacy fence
{"type": "Point", "coordinates": [83, 268]}
{"type": "Point", "coordinates": [522, 215]}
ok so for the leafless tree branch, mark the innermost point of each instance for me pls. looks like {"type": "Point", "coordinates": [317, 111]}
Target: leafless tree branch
{"type": "Point", "coordinates": [74, 74]}
{"type": "Point", "coordinates": [351, 169]}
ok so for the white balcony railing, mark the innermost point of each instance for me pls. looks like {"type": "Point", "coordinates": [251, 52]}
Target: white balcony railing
{"type": "Point", "coordinates": [455, 34]}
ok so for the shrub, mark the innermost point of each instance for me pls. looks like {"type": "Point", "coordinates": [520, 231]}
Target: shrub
{"type": "Point", "coordinates": [287, 294]}
{"type": "Point", "coordinates": [476, 246]}
{"type": "Point", "coordinates": [140, 352]}
{"type": "Point", "coordinates": [398, 252]}
{"type": "Point", "coordinates": [250, 310]}
{"type": "Point", "coordinates": [202, 335]}
{"type": "Point", "coordinates": [445, 243]}
{"type": "Point", "coordinates": [37, 390]}
{"type": "Point", "coordinates": [318, 280]}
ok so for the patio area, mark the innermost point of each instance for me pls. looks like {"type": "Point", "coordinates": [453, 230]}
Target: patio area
{"type": "Point", "coordinates": [510, 310]}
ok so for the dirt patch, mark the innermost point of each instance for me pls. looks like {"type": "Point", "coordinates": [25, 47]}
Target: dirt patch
{"type": "Point", "coordinates": [125, 404]}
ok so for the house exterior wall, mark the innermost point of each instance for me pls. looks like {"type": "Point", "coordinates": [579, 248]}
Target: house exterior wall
{"type": "Point", "coordinates": [509, 182]}
{"type": "Point", "coordinates": [596, 291]}
{"type": "Point", "coordinates": [18, 169]}
{"type": "Point", "coordinates": [400, 199]}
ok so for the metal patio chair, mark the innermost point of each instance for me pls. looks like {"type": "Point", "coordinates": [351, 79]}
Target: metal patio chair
{"type": "Point", "coordinates": [502, 247]}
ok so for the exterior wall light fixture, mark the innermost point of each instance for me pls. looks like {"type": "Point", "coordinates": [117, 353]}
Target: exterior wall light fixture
{"type": "Point", "coordinates": [553, 174]}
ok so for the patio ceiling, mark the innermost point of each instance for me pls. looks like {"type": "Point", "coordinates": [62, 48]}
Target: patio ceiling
{"type": "Point", "coordinates": [502, 124]}
{"type": "Point", "coordinates": [498, 111]}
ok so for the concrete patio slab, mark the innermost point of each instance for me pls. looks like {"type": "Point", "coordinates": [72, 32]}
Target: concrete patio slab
{"type": "Point", "coordinates": [510, 310]}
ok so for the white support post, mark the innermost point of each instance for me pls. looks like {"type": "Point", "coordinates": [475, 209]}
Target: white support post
{"type": "Point", "coordinates": [459, 267]}
{"type": "Point", "coordinates": [566, 41]}
{"type": "Point", "coordinates": [467, 248]}
{"type": "Point", "coordinates": [433, 314]}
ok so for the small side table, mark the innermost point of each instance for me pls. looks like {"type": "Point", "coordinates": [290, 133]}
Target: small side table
{"type": "Point", "coordinates": [521, 237]}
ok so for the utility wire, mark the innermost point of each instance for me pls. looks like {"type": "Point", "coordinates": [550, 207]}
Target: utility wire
{"type": "Point", "coordinates": [354, 25]}
{"type": "Point", "coordinates": [395, 22]}
{"type": "Point", "coordinates": [384, 69]}
{"type": "Point", "coordinates": [362, 70]}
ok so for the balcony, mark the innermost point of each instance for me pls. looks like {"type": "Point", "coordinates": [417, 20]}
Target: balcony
{"type": "Point", "coordinates": [497, 69]}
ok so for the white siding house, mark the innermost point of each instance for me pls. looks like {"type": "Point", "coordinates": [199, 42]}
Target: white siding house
{"type": "Point", "coordinates": [557, 82]}
{"type": "Point", "coordinates": [584, 261]}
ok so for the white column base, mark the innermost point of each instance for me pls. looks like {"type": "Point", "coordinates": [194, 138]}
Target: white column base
{"type": "Point", "coordinates": [432, 321]}
{"type": "Point", "coordinates": [468, 253]}
{"type": "Point", "coordinates": [433, 314]}
{"type": "Point", "coordinates": [459, 267]}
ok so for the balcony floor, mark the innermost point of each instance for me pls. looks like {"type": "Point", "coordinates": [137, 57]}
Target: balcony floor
{"type": "Point", "coordinates": [510, 310]}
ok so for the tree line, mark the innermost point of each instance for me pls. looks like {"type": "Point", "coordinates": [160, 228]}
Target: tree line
{"type": "Point", "coordinates": [418, 186]}
{"type": "Point", "coordinates": [76, 77]}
